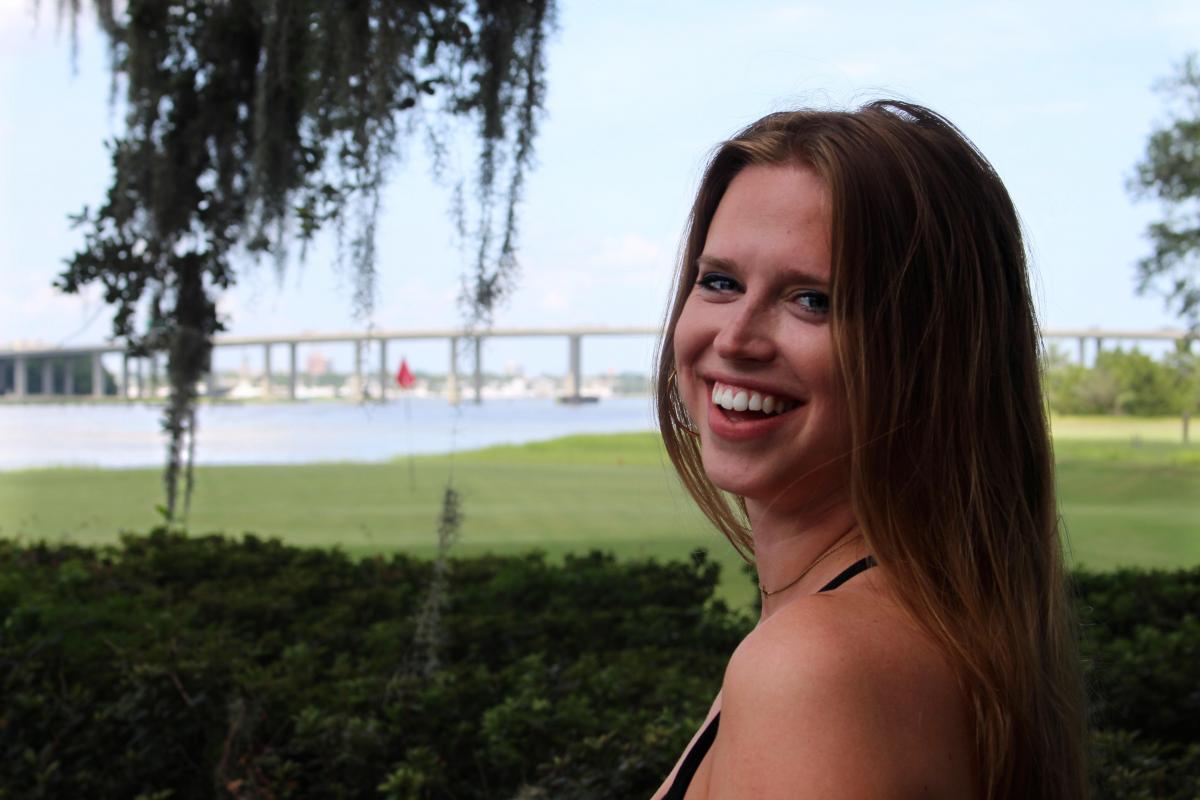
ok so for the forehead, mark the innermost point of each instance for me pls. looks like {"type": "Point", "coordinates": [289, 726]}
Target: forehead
{"type": "Point", "coordinates": [774, 217]}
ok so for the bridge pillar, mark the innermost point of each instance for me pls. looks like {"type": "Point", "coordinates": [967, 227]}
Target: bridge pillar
{"type": "Point", "coordinates": [478, 370]}
{"type": "Point", "coordinates": [141, 378]}
{"type": "Point", "coordinates": [293, 347]}
{"type": "Point", "coordinates": [153, 358]}
{"type": "Point", "coordinates": [20, 377]}
{"type": "Point", "coordinates": [361, 384]}
{"type": "Point", "coordinates": [47, 376]}
{"type": "Point", "coordinates": [97, 375]}
{"type": "Point", "coordinates": [125, 376]}
{"type": "Point", "coordinates": [266, 391]}
{"type": "Point", "coordinates": [574, 368]}
{"type": "Point", "coordinates": [384, 377]}
{"type": "Point", "coordinates": [452, 375]}
{"type": "Point", "coordinates": [68, 377]}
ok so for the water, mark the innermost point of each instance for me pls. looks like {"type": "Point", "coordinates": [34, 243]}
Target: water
{"type": "Point", "coordinates": [292, 433]}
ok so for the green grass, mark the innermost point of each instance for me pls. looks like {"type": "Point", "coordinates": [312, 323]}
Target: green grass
{"type": "Point", "coordinates": [1129, 498]}
{"type": "Point", "coordinates": [568, 495]}
{"type": "Point", "coordinates": [1128, 504]}
{"type": "Point", "coordinates": [1122, 429]}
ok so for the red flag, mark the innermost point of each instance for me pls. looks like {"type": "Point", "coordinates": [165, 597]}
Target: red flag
{"type": "Point", "coordinates": [404, 378]}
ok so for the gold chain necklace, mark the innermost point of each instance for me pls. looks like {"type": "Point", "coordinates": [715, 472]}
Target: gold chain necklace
{"type": "Point", "coordinates": [807, 569]}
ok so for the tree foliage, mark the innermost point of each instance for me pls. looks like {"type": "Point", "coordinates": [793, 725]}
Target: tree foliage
{"type": "Point", "coordinates": [249, 123]}
{"type": "Point", "coordinates": [1125, 382]}
{"type": "Point", "coordinates": [1170, 173]}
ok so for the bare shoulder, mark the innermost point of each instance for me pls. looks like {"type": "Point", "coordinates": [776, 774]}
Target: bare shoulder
{"type": "Point", "coordinates": [842, 694]}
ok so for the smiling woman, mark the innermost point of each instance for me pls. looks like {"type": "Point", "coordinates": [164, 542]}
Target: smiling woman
{"type": "Point", "coordinates": [848, 386]}
{"type": "Point", "coordinates": [756, 325]}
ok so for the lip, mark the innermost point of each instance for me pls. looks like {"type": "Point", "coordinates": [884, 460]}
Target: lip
{"type": "Point", "coordinates": [740, 430]}
{"type": "Point", "coordinates": [728, 429]}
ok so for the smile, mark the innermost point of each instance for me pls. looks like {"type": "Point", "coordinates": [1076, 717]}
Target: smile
{"type": "Point", "coordinates": [737, 398]}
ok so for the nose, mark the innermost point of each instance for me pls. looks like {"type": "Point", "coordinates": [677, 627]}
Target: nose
{"type": "Point", "coordinates": [747, 335]}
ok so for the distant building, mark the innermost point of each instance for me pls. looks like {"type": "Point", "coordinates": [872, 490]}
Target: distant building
{"type": "Point", "coordinates": [318, 364]}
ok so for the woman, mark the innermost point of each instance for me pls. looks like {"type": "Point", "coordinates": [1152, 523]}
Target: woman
{"type": "Point", "coordinates": [849, 387]}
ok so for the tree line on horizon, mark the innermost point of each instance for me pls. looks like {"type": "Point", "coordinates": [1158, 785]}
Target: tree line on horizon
{"type": "Point", "coordinates": [1123, 383]}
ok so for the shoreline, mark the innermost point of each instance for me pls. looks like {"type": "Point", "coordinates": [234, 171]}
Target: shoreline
{"type": "Point", "coordinates": [1151, 433]}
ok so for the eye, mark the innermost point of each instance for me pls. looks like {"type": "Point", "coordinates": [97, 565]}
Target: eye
{"type": "Point", "coordinates": [812, 302]}
{"type": "Point", "coordinates": [716, 282]}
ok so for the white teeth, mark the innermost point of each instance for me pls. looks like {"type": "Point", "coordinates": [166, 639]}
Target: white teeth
{"type": "Point", "coordinates": [733, 399]}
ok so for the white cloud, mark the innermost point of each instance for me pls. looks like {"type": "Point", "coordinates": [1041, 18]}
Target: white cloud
{"type": "Point", "coordinates": [16, 17]}
{"type": "Point", "coordinates": [635, 257]}
{"type": "Point", "coordinates": [25, 29]}
{"type": "Point", "coordinates": [1176, 20]}
{"type": "Point", "coordinates": [555, 300]}
{"type": "Point", "coordinates": [1061, 107]}
{"type": "Point", "coordinates": [33, 310]}
{"type": "Point", "coordinates": [621, 279]}
{"type": "Point", "coordinates": [859, 68]}
{"type": "Point", "coordinates": [803, 16]}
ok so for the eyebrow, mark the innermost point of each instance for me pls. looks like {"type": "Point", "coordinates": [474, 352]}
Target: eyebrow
{"type": "Point", "coordinates": [796, 275]}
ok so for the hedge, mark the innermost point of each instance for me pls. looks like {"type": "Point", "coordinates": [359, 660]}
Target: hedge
{"type": "Point", "coordinates": [176, 667]}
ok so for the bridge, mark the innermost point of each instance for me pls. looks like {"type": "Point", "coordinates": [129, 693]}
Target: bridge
{"type": "Point", "coordinates": [59, 371]}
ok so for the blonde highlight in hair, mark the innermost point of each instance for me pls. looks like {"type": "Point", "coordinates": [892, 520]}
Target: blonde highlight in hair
{"type": "Point", "coordinates": [950, 469]}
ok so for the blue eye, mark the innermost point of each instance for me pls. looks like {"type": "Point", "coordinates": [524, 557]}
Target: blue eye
{"type": "Point", "coordinates": [813, 302]}
{"type": "Point", "coordinates": [717, 282]}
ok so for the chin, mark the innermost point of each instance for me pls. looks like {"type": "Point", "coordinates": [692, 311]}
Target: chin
{"type": "Point", "coordinates": [730, 476]}
{"type": "Point", "coordinates": [782, 486]}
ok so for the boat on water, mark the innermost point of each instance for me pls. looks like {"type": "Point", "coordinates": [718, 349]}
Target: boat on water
{"type": "Point", "coordinates": [577, 399]}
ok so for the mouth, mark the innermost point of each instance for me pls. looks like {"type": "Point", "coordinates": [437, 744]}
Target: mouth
{"type": "Point", "coordinates": [741, 403]}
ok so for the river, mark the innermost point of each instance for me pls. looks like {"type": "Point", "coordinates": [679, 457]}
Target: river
{"type": "Point", "coordinates": [111, 435]}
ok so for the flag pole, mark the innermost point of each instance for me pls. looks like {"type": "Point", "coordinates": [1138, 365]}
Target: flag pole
{"type": "Point", "coordinates": [405, 380]}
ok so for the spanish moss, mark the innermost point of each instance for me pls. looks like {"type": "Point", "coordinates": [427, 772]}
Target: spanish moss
{"type": "Point", "coordinates": [252, 124]}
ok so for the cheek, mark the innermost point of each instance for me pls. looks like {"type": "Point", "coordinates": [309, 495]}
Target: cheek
{"type": "Point", "coordinates": [828, 383]}
{"type": "Point", "coordinates": [685, 339]}
{"type": "Point", "coordinates": [812, 358]}
{"type": "Point", "coordinates": [688, 345]}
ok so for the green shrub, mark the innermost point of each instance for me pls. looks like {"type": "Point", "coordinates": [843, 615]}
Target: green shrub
{"type": "Point", "coordinates": [1131, 768]}
{"type": "Point", "coordinates": [190, 667]}
{"type": "Point", "coordinates": [1141, 645]}
{"type": "Point", "coordinates": [203, 667]}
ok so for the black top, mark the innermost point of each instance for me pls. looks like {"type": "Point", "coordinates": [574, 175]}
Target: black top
{"type": "Point", "coordinates": [691, 761]}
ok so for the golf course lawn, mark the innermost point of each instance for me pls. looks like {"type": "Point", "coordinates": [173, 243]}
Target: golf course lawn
{"type": "Point", "coordinates": [1131, 497]}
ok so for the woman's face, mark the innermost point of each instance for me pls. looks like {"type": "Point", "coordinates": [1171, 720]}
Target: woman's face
{"type": "Point", "coordinates": [753, 353]}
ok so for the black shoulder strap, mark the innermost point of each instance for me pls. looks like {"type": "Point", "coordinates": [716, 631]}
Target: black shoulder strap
{"type": "Point", "coordinates": [691, 762]}
{"type": "Point", "coordinates": [862, 565]}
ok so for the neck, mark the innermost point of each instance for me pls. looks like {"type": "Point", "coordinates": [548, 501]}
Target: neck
{"type": "Point", "coordinates": [786, 543]}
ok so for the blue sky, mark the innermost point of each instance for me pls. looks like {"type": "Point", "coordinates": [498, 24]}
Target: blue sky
{"type": "Point", "coordinates": [1058, 95]}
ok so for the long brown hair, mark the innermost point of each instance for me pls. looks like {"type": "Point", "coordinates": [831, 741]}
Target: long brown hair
{"type": "Point", "coordinates": [951, 470]}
